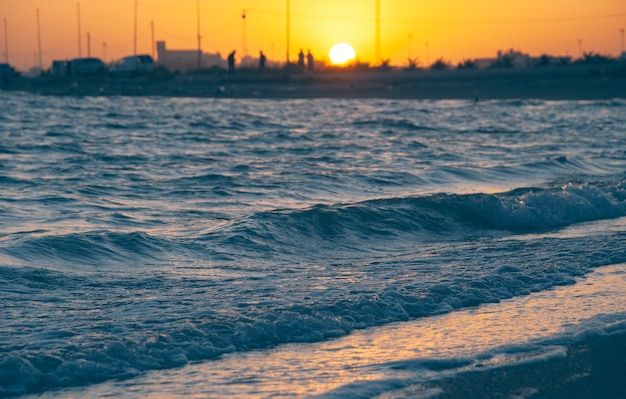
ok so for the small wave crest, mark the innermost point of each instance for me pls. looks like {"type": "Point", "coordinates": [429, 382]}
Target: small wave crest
{"type": "Point", "coordinates": [88, 248]}
{"type": "Point", "coordinates": [437, 217]}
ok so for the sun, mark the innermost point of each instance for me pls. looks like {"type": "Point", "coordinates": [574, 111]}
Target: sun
{"type": "Point", "coordinates": [341, 54]}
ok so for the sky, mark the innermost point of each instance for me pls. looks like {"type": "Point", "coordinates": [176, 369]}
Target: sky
{"type": "Point", "coordinates": [426, 30]}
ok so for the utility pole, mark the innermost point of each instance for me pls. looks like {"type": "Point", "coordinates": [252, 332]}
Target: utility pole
{"type": "Point", "coordinates": [135, 33]}
{"type": "Point", "coordinates": [377, 42]}
{"type": "Point", "coordinates": [104, 52]}
{"type": "Point", "coordinates": [199, 36]}
{"type": "Point", "coordinates": [6, 43]}
{"type": "Point", "coordinates": [244, 49]}
{"type": "Point", "coordinates": [79, 35]}
{"type": "Point", "coordinates": [39, 42]}
{"type": "Point", "coordinates": [621, 31]}
{"type": "Point", "coordinates": [580, 49]}
{"type": "Point", "coordinates": [410, 45]}
{"type": "Point", "coordinates": [288, 30]}
{"type": "Point", "coordinates": [152, 43]}
{"type": "Point", "coordinates": [427, 55]}
{"type": "Point", "coordinates": [88, 44]}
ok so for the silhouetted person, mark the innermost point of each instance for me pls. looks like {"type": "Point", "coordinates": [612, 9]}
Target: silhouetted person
{"type": "Point", "coordinates": [231, 63]}
{"type": "Point", "coordinates": [262, 61]}
{"type": "Point", "coordinates": [310, 61]}
{"type": "Point", "coordinates": [301, 61]}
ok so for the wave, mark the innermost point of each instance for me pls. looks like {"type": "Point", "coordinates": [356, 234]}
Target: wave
{"type": "Point", "coordinates": [438, 217]}
{"type": "Point", "coordinates": [89, 248]}
{"type": "Point", "coordinates": [133, 341]}
{"type": "Point", "coordinates": [142, 321]}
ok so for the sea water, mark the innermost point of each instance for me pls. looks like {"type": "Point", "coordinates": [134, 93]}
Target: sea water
{"type": "Point", "coordinates": [164, 247]}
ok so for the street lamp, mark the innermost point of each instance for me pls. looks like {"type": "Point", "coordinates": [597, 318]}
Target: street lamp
{"type": "Point", "coordinates": [199, 38]}
{"type": "Point", "coordinates": [377, 40]}
{"type": "Point", "coordinates": [243, 33]}
{"type": "Point", "coordinates": [288, 30]}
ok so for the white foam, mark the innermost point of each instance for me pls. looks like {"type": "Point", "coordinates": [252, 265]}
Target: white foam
{"type": "Point", "coordinates": [378, 360]}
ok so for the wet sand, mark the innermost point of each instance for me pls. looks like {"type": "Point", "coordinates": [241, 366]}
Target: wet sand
{"type": "Point", "coordinates": [550, 83]}
{"type": "Point", "coordinates": [588, 371]}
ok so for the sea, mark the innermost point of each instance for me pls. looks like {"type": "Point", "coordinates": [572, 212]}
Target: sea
{"type": "Point", "coordinates": [156, 247]}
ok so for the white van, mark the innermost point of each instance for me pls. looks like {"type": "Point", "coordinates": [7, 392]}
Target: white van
{"type": "Point", "coordinates": [133, 65]}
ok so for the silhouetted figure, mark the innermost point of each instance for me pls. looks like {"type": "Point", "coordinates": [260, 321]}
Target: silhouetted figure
{"type": "Point", "coordinates": [310, 61]}
{"type": "Point", "coordinates": [231, 63]}
{"type": "Point", "coordinates": [301, 61]}
{"type": "Point", "coordinates": [262, 61]}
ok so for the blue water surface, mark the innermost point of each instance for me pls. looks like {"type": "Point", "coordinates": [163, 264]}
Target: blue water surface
{"type": "Point", "coordinates": [140, 234]}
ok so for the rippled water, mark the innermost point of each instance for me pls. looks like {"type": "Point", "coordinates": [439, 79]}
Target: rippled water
{"type": "Point", "coordinates": [143, 234]}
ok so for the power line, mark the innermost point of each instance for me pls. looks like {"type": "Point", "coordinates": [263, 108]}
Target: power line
{"type": "Point", "coordinates": [115, 15]}
{"type": "Point", "coordinates": [444, 21]}
{"type": "Point", "coordinates": [512, 21]}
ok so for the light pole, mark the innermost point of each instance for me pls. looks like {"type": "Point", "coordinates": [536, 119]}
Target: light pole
{"type": "Point", "coordinates": [79, 35]}
{"type": "Point", "coordinates": [152, 45]}
{"type": "Point", "coordinates": [288, 30]}
{"type": "Point", "coordinates": [580, 49]}
{"type": "Point", "coordinates": [243, 34]}
{"type": "Point", "coordinates": [39, 42]}
{"type": "Point", "coordinates": [377, 40]}
{"type": "Point", "coordinates": [199, 37]}
{"type": "Point", "coordinates": [6, 43]}
{"type": "Point", "coordinates": [621, 31]}
{"type": "Point", "coordinates": [135, 32]}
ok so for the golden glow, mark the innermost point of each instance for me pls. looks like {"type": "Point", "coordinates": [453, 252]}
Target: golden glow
{"type": "Point", "coordinates": [427, 30]}
{"type": "Point", "coordinates": [341, 54]}
{"type": "Point", "coordinates": [303, 370]}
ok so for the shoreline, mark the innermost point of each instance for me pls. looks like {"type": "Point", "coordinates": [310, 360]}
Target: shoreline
{"type": "Point", "coordinates": [588, 370]}
{"type": "Point", "coordinates": [595, 82]}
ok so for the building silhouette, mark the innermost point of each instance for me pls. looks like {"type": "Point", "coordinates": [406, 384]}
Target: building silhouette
{"type": "Point", "coordinates": [186, 60]}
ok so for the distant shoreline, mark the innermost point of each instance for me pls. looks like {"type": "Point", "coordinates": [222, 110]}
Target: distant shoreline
{"type": "Point", "coordinates": [596, 82]}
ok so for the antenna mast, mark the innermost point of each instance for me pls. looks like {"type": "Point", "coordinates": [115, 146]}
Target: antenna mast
{"type": "Point", "coordinates": [6, 42]}
{"type": "Point", "coordinates": [39, 42]}
{"type": "Point", "coordinates": [78, 19]}
{"type": "Point", "coordinates": [199, 37]}
{"type": "Point", "coordinates": [288, 30]}
{"type": "Point", "coordinates": [135, 34]}
{"type": "Point", "coordinates": [377, 44]}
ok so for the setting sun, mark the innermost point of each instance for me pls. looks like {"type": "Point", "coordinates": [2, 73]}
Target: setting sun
{"type": "Point", "coordinates": [341, 54]}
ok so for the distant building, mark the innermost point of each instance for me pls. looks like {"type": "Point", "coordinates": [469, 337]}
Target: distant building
{"type": "Point", "coordinates": [505, 59]}
{"type": "Point", "coordinates": [186, 60]}
{"type": "Point", "coordinates": [482, 63]}
{"type": "Point", "coordinates": [517, 59]}
{"type": "Point", "coordinates": [513, 58]}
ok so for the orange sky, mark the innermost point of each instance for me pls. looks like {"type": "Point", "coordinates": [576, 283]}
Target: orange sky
{"type": "Point", "coordinates": [427, 29]}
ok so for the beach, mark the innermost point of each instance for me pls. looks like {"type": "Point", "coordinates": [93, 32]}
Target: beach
{"type": "Point", "coordinates": [158, 245]}
{"type": "Point", "coordinates": [574, 82]}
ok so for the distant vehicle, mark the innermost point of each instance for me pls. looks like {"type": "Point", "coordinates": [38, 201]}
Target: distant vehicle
{"type": "Point", "coordinates": [86, 66]}
{"type": "Point", "coordinates": [133, 65]}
